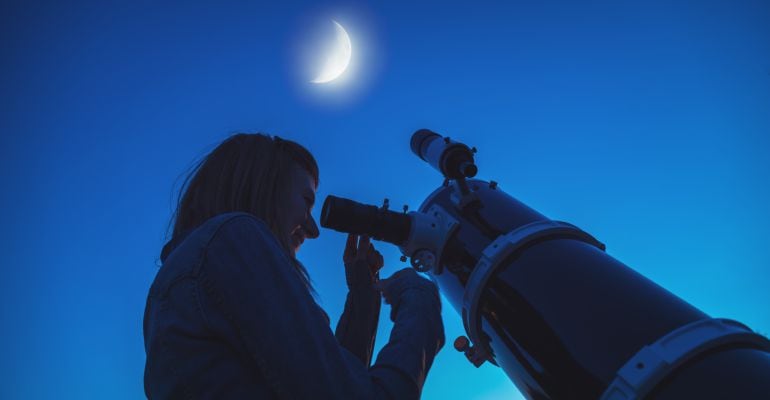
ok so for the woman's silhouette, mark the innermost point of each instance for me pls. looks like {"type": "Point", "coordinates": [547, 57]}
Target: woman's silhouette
{"type": "Point", "coordinates": [231, 312]}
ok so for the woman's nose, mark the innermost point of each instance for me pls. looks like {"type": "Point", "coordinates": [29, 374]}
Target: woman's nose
{"type": "Point", "coordinates": [311, 229]}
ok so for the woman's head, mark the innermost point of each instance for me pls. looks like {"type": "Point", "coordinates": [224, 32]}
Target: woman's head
{"type": "Point", "coordinates": [272, 178]}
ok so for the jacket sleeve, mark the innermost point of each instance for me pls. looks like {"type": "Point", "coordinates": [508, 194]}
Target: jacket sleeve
{"type": "Point", "coordinates": [259, 303]}
{"type": "Point", "coordinates": [357, 326]}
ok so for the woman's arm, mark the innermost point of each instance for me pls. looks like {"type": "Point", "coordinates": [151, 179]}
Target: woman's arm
{"type": "Point", "coordinates": [357, 327]}
{"type": "Point", "coordinates": [254, 299]}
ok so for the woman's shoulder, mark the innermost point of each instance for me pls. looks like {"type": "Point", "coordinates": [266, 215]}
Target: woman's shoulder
{"type": "Point", "coordinates": [232, 230]}
{"type": "Point", "coordinates": [230, 220]}
{"type": "Point", "coordinates": [231, 233]}
{"type": "Point", "coordinates": [202, 235]}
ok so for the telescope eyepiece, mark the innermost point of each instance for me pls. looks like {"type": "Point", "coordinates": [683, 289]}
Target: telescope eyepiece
{"type": "Point", "coordinates": [345, 215]}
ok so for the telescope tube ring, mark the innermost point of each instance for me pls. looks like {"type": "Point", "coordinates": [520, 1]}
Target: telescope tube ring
{"type": "Point", "coordinates": [493, 256]}
{"type": "Point", "coordinates": [639, 375]}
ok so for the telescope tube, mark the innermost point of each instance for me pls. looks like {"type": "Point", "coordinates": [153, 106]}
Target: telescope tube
{"type": "Point", "coordinates": [561, 317]}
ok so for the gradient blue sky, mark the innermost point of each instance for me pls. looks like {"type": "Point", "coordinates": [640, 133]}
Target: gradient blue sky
{"type": "Point", "coordinates": [647, 124]}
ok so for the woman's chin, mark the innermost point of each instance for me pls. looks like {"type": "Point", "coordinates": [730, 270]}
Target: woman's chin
{"type": "Point", "coordinates": [295, 245]}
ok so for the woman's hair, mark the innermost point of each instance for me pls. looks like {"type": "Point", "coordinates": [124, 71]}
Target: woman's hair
{"type": "Point", "coordinates": [247, 172]}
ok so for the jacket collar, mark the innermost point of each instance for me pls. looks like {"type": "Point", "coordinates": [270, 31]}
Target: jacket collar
{"type": "Point", "coordinates": [172, 244]}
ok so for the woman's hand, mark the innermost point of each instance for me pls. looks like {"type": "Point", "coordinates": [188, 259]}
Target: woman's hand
{"type": "Point", "coordinates": [359, 256]}
{"type": "Point", "coordinates": [405, 279]}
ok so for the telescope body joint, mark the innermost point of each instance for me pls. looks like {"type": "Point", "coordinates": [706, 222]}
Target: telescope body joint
{"type": "Point", "coordinates": [428, 236]}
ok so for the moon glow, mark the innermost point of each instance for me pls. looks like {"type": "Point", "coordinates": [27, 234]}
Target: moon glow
{"type": "Point", "coordinates": [338, 58]}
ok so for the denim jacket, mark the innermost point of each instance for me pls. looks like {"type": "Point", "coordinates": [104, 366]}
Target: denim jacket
{"type": "Point", "coordinates": [227, 317]}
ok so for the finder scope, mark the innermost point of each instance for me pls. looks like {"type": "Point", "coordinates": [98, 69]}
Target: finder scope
{"type": "Point", "coordinates": [453, 159]}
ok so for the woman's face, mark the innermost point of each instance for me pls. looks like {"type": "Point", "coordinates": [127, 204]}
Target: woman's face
{"type": "Point", "coordinates": [298, 222]}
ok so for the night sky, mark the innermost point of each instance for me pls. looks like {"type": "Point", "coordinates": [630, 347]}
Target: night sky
{"type": "Point", "coordinates": [646, 124]}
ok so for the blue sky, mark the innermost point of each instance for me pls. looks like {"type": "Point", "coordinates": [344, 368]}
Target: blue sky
{"type": "Point", "coordinates": [647, 124]}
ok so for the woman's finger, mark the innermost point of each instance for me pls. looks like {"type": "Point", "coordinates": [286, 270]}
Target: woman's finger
{"type": "Point", "coordinates": [363, 244]}
{"type": "Point", "coordinates": [350, 246]}
{"type": "Point", "coordinates": [375, 260]}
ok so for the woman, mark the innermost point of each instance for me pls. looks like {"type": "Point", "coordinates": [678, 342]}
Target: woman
{"type": "Point", "coordinates": [231, 314]}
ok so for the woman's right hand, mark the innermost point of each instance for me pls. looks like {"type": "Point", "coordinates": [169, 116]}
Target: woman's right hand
{"type": "Point", "coordinates": [409, 293]}
{"type": "Point", "coordinates": [401, 281]}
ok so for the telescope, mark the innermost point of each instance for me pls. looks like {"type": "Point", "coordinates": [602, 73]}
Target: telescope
{"type": "Point", "coordinates": [542, 300]}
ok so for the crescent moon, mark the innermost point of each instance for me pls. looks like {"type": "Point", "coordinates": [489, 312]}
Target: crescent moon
{"type": "Point", "coordinates": [338, 59]}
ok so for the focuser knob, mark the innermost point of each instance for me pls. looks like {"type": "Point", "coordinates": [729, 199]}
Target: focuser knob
{"type": "Point", "coordinates": [474, 354]}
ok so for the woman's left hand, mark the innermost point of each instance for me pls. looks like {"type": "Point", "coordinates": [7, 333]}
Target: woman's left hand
{"type": "Point", "coordinates": [359, 256]}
